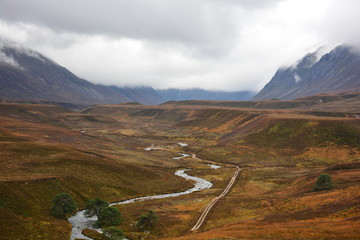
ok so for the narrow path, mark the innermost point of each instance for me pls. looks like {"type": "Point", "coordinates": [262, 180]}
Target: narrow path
{"type": "Point", "coordinates": [212, 203]}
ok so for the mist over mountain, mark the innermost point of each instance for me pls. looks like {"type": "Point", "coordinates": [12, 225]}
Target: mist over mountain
{"type": "Point", "coordinates": [29, 75]}
{"type": "Point", "coordinates": [336, 71]}
{"type": "Point", "coordinates": [200, 94]}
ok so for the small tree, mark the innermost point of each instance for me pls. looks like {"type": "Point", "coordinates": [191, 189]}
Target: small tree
{"type": "Point", "coordinates": [94, 206]}
{"type": "Point", "coordinates": [63, 204]}
{"type": "Point", "coordinates": [147, 221]}
{"type": "Point", "coordinates": [113, 233]}
{"type": "Point", "coordinates": [324, 182]}
{"type": "Point", "coordinates": [109, 216]}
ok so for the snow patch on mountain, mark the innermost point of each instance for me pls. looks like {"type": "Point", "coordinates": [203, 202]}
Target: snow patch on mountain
{"type": "Point", "coordinates": [311, 58]}
{"type": "Point", "coordinates": [9, 60]}
{"type": "Point", "coordinates": [297, 78]}
{"type": "Point", "coordinates": [8, 44]}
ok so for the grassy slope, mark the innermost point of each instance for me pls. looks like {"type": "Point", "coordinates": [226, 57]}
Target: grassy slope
{"type": "Point", "coordinates": [39, 160]}
{"type": "Point", "coordinates": [282, 158]}
{"type": "Point", "coordinates": [277, 203]}
{"type": "Point", "coordinates": [282, 152]}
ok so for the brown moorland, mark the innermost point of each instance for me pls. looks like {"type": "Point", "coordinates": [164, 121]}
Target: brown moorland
{"type": "Point", "coordinates": [98, 152]}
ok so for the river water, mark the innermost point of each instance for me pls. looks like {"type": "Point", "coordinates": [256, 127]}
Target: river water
{"type": "Point", "coordinates": [80, 222]}
{"type": "Point", "coordinates": [182, 155]}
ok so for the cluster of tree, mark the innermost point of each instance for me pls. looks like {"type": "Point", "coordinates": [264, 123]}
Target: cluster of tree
{"type": "Point", "coordinates": [64, 205]}
{"type": "Point", "coordinates": [106, 215]}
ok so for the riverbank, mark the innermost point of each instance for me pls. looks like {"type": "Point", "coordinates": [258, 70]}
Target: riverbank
{"type": "Point", "coordinates": [80, 222]}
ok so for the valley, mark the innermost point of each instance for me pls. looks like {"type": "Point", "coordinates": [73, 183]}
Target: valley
{"type": "Point", "coordinates": [181, 120]}
{"type": "Point", "coordinates": [99, 152]}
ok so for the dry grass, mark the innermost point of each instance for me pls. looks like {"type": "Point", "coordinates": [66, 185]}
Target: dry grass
{"type": "Point", "coordinates": [297, 230]}
{"type": "Point", "coordinates": [99, 153]}
{"type": "Point", "coordinates": [273, 203]}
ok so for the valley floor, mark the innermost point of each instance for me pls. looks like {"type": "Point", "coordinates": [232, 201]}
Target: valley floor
{"type": "Point", "coordinates": [99, 152]}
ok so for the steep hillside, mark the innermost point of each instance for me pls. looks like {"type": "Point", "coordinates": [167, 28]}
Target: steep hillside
{"type": "Point", "coordinates": [200, 94]}
{"type": "Point", "coordinates": [28, 75]}
{"type": "Point", "coordinates": [337, 71]}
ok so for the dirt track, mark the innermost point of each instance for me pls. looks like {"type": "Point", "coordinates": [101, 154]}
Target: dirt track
{"type": "Point", "coordinates": [212, 203]}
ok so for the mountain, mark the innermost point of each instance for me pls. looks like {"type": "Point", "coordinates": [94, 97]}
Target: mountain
{"type": "Point", "coordinates": [29, 75]}
{"type": "Point", "coordinates": [200, 94]}
{"type": "Point", "coordinates": [337, 71]}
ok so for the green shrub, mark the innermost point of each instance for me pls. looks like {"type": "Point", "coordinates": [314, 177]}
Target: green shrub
{"type": "Point", "coordinates": [112, 233]}
{"type": "Point", "coordinates": [147, 221]}
{"type": "Point", "coordinates": [324, 182]}
{"type": "Point", "coordinates": [109, 216]}
{"type": "Point", "coordinates": [94, 206]}
{"type": "Point", "coordinates": [63, 205]}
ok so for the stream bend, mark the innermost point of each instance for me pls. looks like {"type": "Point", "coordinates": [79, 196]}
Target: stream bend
{"type": "Point", "coordinates": [80, 222]}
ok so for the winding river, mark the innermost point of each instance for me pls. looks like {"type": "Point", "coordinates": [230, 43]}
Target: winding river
{"type": "Point", "coordinates": [79, 222]}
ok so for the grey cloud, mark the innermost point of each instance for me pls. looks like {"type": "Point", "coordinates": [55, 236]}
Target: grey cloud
{"type": "Point", "coordinates": [211, 28]}
{"type": "Point", "coordinates": [176, 20]}
{"type": "Point", "coordinates": [259, 4]}
{"type": "Point", "coordinates": [213, 44]}
{"type": "Point", "coordinates": [341, 23]}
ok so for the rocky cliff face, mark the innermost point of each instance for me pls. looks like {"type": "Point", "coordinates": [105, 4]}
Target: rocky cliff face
{"type": "Point", "coordinates": [338, 70]}
{"type": "Point", "coordinates": [26, 74]}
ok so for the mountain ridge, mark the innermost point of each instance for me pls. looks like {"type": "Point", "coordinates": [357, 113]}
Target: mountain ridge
{"type": "Point", "coordinates": [28, 75]}
{"type": "Point", "coordinates": [336, 71]}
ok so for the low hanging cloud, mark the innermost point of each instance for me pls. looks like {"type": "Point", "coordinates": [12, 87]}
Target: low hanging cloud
{"type": "Point", "coordinates": [211, 44]}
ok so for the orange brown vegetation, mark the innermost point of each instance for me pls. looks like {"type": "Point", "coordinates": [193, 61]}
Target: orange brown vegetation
{"type": "Point", "coordinates": [275, 203]}
{"type": "Point", "coordinates": [99, 152]}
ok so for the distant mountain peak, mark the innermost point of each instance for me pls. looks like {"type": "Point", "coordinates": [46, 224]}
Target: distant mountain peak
{"type": "Point", "coordinates": [317, 72]}
{"type": "Point", "coordinates": [311, 58]}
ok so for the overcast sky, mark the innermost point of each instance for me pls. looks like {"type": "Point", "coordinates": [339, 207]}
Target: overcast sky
{"type": "Point", "coordinates": [212, 44]}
